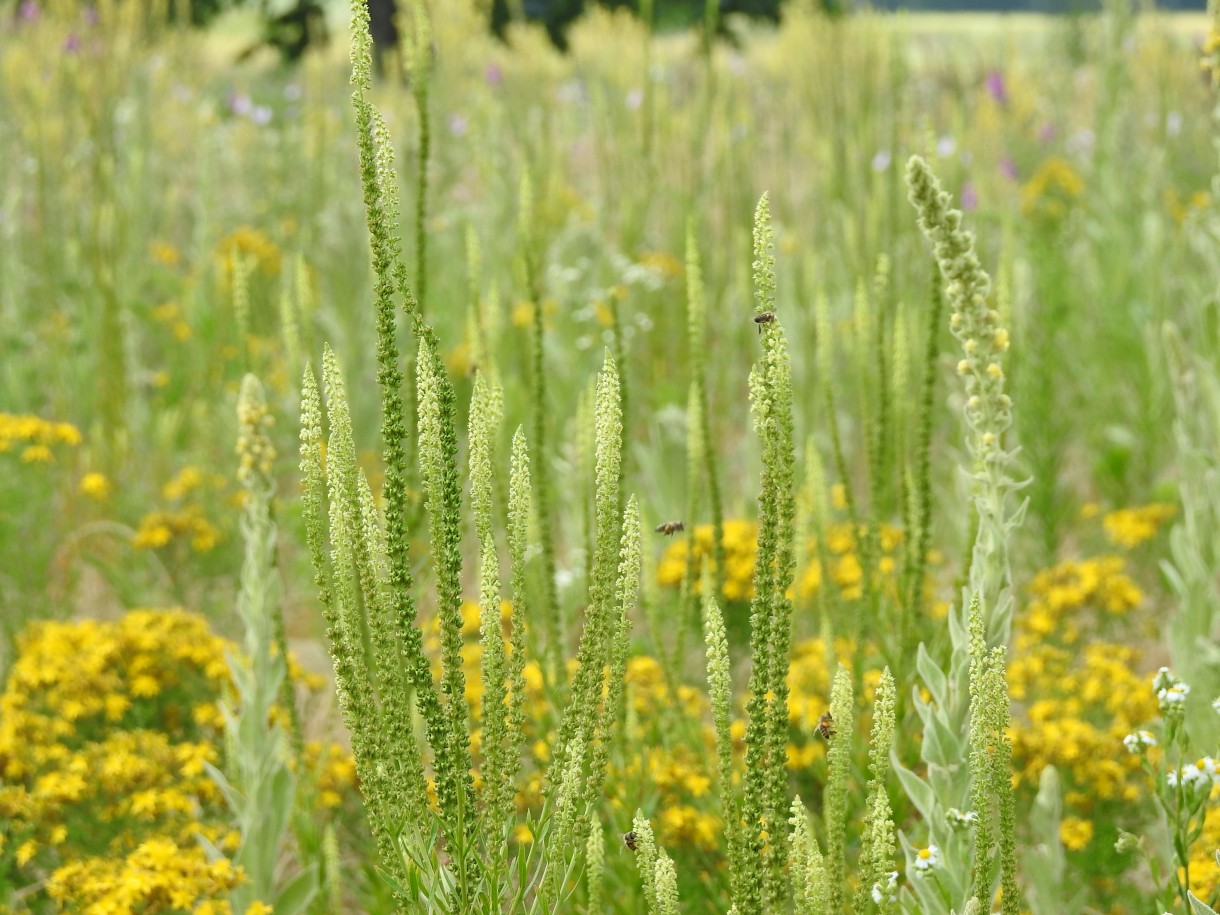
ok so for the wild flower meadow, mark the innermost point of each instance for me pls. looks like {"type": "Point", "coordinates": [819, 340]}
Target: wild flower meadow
{"type": "Point", "coordinates": [680, 475]}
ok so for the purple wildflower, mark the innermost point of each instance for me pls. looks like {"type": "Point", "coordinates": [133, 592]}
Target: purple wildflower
{"type": "Point", "coordinates": [970, 197]}
{"type": "Point", "coordinates": [996, 87]}
{"type": "Point", "coordinates": [494, 75]}
{"type": "Point", "coordinates": [1008, 169]}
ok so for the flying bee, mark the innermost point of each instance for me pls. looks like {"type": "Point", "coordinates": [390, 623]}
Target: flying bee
{"type": "Point", "coordinates": [826, 725]}
{"type": "Point", "coordinates": [765, 318]}
{"type": "Point", "coordinates": [669, 528]}
{"type": "Point", "coordinates": [629, 840]}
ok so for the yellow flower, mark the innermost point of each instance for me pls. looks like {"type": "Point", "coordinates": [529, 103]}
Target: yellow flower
{"type": "Point", "coordinates": [1052, 190]}
{"type": "Point", "coordinates": [187, 480]}
{"type": "Point", "coordinates": [259, 908]}
{"type": "Point", "coordinates": [1129, 527]}
{"type": "Point", "coordinates": [37, 454]}
{"type": "Point", "coordinates": [164, 253]}
{"type": "Point", "coordinates": [95, 486]}
{"type": "Point", "coordinates": [1075, 833]}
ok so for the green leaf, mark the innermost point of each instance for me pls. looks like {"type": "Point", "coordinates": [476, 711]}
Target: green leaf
{"type": "Point", "coordinates": [1198, 906]}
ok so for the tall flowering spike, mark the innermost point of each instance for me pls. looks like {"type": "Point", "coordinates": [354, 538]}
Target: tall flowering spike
{"type": "Point", "coordinates": [666, 884]}
{"type": "Point", "coordinates": [765, 805]}
{"type": "Point", "coordinates": [519, 506]}
{"type": "Point", "coordinates": [442, 495]}
{"type": "Point", "coordinates": [625, 593]}
{"type": "Point", "coordinates": [877, 852]}
{"type": "Point", "coordinates": [352, 678]}
{"type": "Point", "coordinates": [362, 47]}
{"type": "Point", "coordinates": [380, 191]}
{"type": "Point", "coordinates": [838, 764]}
{"type": "Point", "coordinates": [808, 869]}
{"type": "Point", "coordinates": [256, 463]}
{"type": "Point", "coordinates": [313, 488]}
{"type": "Point", "coordinates": [988, 409]}
{"type": "Point", "coordinates": [496, 747]}
{"type": "Point", "coordinates": [991, 791]}
{"type": "Point", "coordinates": [764, 257]}
{"type": "Point", "coordinates": [595, 856]}
{"type": "Point", "coordinates": [915, 559]}
{"type": "Point", "coordinates": [1001, 782]}
{"type": "Point", "coordinates": [954, 776]}
{"type": "Point", "coordinates": [598, 633]}
{"type": "Point", "coordinates": [980, 753]}
{"type": "Point", "coordinates": [720, 684]}
{"type": "Point", "coordinates": [646, 858]}
{"type": "Point", "coordinates": [701, 457]}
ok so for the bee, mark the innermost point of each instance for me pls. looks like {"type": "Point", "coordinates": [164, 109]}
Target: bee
{"type": "Point", "coordinates": [669, 528]}
{"type": "Point", "coordinates": [765, 318]}
{"type": "Point", "coordinates": [826, 725]}
{"type": "Point", "coordinates": [629, 840]}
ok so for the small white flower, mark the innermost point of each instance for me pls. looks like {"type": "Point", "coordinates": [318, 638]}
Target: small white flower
{"type": "Point", "coordinates": [958, 819]}
{"type": "Point", "coordinates": [1163, 679]}
{"type": "Point", "coordinates": [1173, 695]}
{"type": "Point", "coordinates": [926, 859]}
{"type": "Point", "coordinates": [1139, 741]}
{"type": "Point", "coordinates": [1216, 704]}
{"type": "Point", "coordinates": [887, 893]}
{"type": "Point", "coordinates": [1191, 776]}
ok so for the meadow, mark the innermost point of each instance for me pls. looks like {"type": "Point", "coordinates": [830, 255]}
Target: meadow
{"type": "Point", "coordinates": [679, 475]}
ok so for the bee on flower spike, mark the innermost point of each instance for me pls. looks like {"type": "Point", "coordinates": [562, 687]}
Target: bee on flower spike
{"type": "Point", "coordinates": [629, 840]}
{"type": "Point", "coordinates": [826, 725]}
{"type": "Point", "coordinates": [765, 318]}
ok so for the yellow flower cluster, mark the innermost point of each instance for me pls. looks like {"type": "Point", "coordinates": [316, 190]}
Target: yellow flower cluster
{"type": "Point", "coordinates": [1129, 527]}
{"type": "Point", "coordinates": [1049, 194]}
{"type": "Point", "coordinates": [158, 529]}
{"type": "Point", "coordinates": [186, 521]}
{"type": "Point", "coordinates": [169, 314]}
{"type": "Point", "coordinates": [96, 486]}
{"type": "Point", "coordinates": [677, 775]}
{"type": "Point", "coordinates": [158, 876]}
{"type": "Point", "coordinates": [1079, 708]}
{"type": "Point", "coordinates": [1062, 597]}
{"type": "Point", "coordinates": [334, 772]}
{"type": "Point", "coordinates": [37, 435]}
{"type": "Point", "coordinates": [252, 243]}
{"type": "Point", "coordinates": [842, 555]}
{"type": "Point", "coordinates": [1204, 866]}
{"type": "Point", "coordinates": [662, 263]}
{"type": "Point", "coordinates": [1183, 208]}
{"type": "Point", "coordinates": [106, 732]}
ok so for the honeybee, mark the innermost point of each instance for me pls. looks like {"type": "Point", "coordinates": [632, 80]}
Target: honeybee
{"type": "Point", "coordinates": [669, 528]}
{"type": "Point", "coordinates": [826, 725]}
{"type": "Point", "coordinates": [765, 318]}
{"type": "Point", "coordinates": [629, 840]}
